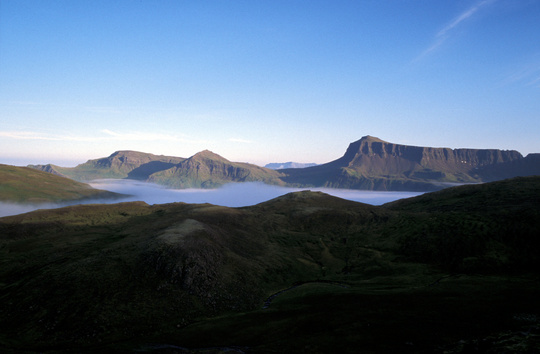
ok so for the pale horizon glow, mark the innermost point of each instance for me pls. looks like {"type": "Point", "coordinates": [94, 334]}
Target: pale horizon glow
{"type": "Point", "coordinates": [264, 81]}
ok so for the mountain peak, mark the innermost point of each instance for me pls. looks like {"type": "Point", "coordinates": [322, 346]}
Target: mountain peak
{"type": "Point", "coordinates": [371, 139]}
{"type": "Point", "coordinates": [209, 155]}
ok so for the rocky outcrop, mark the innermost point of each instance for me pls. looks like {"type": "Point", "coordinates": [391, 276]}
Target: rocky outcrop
{"type": "Point", "coordinates": [372, 163]}
{"type": "Point", "coordinates": [369, 163]}
{"type": "Point", "coordinates": [528, 166]}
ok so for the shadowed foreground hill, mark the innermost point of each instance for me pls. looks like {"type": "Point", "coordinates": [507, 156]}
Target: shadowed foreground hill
{"type": "Point", "coordinates": [305, 272]}
{"type": "Point", "coordinates": [27, 185]}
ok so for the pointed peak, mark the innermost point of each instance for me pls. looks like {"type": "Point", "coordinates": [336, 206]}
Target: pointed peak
{"type": "Point", "coordinates": [370, 138]}
{"type": "Point", "coordinates": [209, 155]}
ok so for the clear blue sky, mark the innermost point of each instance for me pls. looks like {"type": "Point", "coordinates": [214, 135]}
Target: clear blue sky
{"type": "Point", "coordinates": [265, 80]}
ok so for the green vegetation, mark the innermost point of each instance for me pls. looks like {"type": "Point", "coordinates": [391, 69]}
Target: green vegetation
{"type": "Point", "coordinates": [448, 271]}
{"type": "Point", "coordinates": [26, 185]}
{"type": "Point", "coordinates": [368, 164]}
{"type": "Point", "coordinates": [209, 170]}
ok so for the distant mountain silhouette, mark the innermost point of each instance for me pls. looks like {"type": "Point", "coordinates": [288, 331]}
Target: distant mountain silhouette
{"type": "Point", "coordinates": [369, 164]}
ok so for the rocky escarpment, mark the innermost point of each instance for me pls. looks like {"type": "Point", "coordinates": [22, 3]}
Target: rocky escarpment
{"type": "Point", "coordinates": [528, 166]}
{"type": "Point", "coordinates": [372, 163]}
{"type": "Point", "coordinates": [372, 156]}
{"type": "Point", "coordinates": [369, 163]}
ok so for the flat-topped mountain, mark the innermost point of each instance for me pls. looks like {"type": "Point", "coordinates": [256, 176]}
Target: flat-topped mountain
{"type": "Point", "coordinates": [369, 163]}
{"type": "Point", "coordinates": [27, 185]}
{"type": "Point", "coordinates": [372, 163]}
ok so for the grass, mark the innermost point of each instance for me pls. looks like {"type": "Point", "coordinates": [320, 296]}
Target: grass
{"type": "Point", "coordinates": [26, 185]}
{"type": "Point", "coordinates": [132, 276]}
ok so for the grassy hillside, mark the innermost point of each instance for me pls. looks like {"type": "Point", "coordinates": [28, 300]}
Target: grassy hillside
{"type": "Point", "coordinates": [26, 185]}
{"type": "Point", "coordinates": [120, 164]}
{"type": "Point", "coordinates": [305, 272]}
{"type": "Point", "coordinates": [208, 170]}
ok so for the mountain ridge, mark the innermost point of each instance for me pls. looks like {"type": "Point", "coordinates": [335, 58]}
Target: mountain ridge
{"type": "Point", "coordinates": [369, 163]}
{"type": "Point", "coordinates": [372, 163]}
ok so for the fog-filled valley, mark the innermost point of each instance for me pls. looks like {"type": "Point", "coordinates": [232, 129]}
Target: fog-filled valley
{"type": "Point", "coordinates": [231, 195]}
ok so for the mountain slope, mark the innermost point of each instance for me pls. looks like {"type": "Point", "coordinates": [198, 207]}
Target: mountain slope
{"type": "Point", "coordinates": [332, 275]}
{"type": "Point", "coordinates": [26, 185]}
{"type": "Point", "coordinates": [120, 164]}
{"type": "Point", "coordinates": [371, 163]}
{"type": "Point", "coordinates": [208, 170]}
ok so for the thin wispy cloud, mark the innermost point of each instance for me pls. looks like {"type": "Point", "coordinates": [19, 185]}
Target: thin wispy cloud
{"type": "Point", "coordinates": [26, 135]}
{"type": "Point", "coordinates": [106, 135]}
{"type": "Point", "coordinates": [528, 74]}
{"type": "Point", "coordinates": [446, 32]}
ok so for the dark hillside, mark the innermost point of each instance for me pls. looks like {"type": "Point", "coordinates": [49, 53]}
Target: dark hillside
{"type": "Point", "coordinates": [493, 226]}
{"type": "Point", "coordinates": [305, 272]}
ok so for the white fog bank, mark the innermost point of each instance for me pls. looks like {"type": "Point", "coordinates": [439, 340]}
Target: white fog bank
{"type": "Point", "coordinates": [231, 195]}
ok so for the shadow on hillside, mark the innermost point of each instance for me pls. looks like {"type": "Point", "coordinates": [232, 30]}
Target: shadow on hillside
{"type": "Point", "coordinates": [144, 171]}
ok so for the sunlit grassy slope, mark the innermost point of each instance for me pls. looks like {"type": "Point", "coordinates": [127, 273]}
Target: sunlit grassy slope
{"type": "Point", "coordinates": [27, 185]}
{"type": "Point", "coordinates": [431, 274]}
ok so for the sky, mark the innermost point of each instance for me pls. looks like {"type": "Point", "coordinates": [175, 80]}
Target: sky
{"type": "Point", "coordinates": [264, 81]}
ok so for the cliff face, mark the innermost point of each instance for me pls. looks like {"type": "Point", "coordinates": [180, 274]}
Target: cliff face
{"type": "Point", "coordinates": [402, 157]}
{"type": "Point", "coordinates": [372, 163]}
{"type": "Point", "coordinates": [369, 163]}
{"type": "Point", "coordinates": [528, 166]}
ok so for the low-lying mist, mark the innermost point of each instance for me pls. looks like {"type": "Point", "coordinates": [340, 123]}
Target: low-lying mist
{"type": "Point", "coordinates": [231, 195]}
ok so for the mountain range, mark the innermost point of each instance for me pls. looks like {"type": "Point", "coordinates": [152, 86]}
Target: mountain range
{"type": "Point", "coordinates": [453, 271]}
{"type": "Point", "coordinates": [369, 163]}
